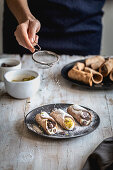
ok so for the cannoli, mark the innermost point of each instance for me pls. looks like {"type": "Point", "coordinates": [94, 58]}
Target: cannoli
{"type": "Point", "coordinates": [48, 124]}
{"type": "Point", "coordinates": [96, 65]}
{"type": "Point", "coordinates": [64, 119]}
{"type": "Point", "coordinates": [80, 76]}
{"type": "Point", "coordinates": [80, 114]}
{"type": "Point", "coordinates": [95, 62]}
{"type": "Point", "coordinates": [106, 68]}
{"type": "Point", "coordinates": [111, 75]}
{"type": "Point", "coordinates": [80, 66]}
{"type": "Point", "coordinates": [96, 76]}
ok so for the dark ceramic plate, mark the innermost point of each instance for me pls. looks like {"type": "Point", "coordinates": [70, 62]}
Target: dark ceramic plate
{"type": "Point", "coordinates": [106, 84]}
{"type": "Point", "coordinates": [78, 130]}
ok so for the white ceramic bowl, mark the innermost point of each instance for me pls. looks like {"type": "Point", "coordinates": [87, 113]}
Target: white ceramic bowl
{"type": "Point", "coordinates": [10, 61]}
{"type": "Point", "coordinates": [21, 89]}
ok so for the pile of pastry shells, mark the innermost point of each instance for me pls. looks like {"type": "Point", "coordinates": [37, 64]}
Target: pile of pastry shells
{"type": "Point", "coordinates": [93, 70]}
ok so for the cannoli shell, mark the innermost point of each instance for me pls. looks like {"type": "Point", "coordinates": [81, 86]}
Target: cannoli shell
{"type": "Point", "coordinates": [59, 115]}
{"type": "Point", "coordinates": [96, 65]}
{"type": "Point", "coordinates": [111, 75]}
{"type": "Point", "coordinates": [96, 76]}
{"type": "Point", "coordinates": [107, 67]}
{"type": "Point", "coordinates": [77, 114]}
{"type": "Point", "coordinates": [80, 66]}
{"type": "Point", "coordinates": [95, 62]}
{"type": "Point", "coordinates": [42, 121]}
{"type": "Point", "coordinates": [80, 76]}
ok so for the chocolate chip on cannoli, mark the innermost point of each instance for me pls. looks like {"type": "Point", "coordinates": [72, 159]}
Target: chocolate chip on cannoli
{"type": "Point", "coordinates": [80, 114]}
{"type": "Point", "coordinates": [81, 76]}
{"type": "Point", "coordinates": [107, 67]}
{"type": "Point", "coordinates": [64, 119]}
{"type": "Point", "coordinates": [96, 76]}
{"type": "Point", "coordinates": [48, 124]}
{"type": "Point", "coordinates": [80, 66]}
{"type": "Point", "coordinates": [95, 62]}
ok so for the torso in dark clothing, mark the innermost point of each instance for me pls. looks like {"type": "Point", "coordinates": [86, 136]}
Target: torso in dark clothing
{"type": "Point", "coordinates": [67, 26]}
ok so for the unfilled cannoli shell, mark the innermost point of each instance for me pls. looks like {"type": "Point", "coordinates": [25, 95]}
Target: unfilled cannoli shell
{"type": "Point", "coordinates": [111, 75]}
{"type": "Point", "coordinates": [107, 67]}
{"type": "Point", "coordinates": [80, 76]}
{"type": "Point", "coordinates": [95, 62]}
{"type": "Point", "coordinates": [82, 115]}
{"type": "Point", "coordinates": [60, 116]}
{"type": "Point", "coordinates": [96, 76]}
{"type": "Point", "coordinates": [44, 120]}
{"type": "Point", "coordinates": [97, 65]}
{"type": "Point", "coordinates": [80, 66]}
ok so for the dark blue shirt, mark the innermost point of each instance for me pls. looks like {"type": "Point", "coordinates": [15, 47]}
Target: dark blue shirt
{"type": "Point", "coordinates": [69, 26]}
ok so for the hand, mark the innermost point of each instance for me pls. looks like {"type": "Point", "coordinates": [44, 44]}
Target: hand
{"type": "Point", "coordinates": [26, 33]}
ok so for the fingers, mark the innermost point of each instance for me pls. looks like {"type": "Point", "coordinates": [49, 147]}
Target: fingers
{"type": "Point", "coordinates": [25, 32]}
{"type": "Point", "coordinates": [34, 27]}
{"type": "Point", "coordinates": [22, 36]}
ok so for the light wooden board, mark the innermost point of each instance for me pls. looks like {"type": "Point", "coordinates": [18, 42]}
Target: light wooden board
{"type": "Point", "coordinates": [23, 150]}
{"type": "Point", "coordinates": [11, 115]}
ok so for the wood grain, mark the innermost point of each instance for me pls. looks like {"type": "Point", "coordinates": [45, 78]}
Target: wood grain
{"type": "Point", "coordinates": [22, 149]}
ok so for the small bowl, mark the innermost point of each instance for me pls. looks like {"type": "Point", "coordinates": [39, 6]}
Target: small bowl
{"type": "Point", "coordinates": [14, 65]}
{"type": "Point", "coordinates": [21, 89]}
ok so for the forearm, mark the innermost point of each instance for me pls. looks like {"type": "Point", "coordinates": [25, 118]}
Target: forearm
{"type": "Point", "coordinates": [28, 26]}
{"type": "Point", "coordinates": [20, 10]}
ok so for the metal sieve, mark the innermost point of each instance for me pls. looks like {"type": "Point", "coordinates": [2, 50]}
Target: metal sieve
{"type": "Point", "coordinates": [44, 58]}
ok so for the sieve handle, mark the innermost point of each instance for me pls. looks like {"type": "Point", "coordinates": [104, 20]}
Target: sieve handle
{"type": "Point", "coordinates": [37, 49]}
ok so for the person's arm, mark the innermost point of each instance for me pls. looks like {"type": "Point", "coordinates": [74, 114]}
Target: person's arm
{"type": "Point", "coordinates": [28, 25]}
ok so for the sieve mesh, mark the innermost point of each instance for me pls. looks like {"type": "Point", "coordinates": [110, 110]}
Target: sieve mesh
{"type": "Point", "coordinates": [45, 58]}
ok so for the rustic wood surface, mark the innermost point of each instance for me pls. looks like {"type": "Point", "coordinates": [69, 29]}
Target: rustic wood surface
{"type": "Point", "coordinates": [21, 149]}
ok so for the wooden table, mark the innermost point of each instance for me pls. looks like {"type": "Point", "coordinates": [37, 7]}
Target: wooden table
{"type": "Point", "coordinates": [22, 150]}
